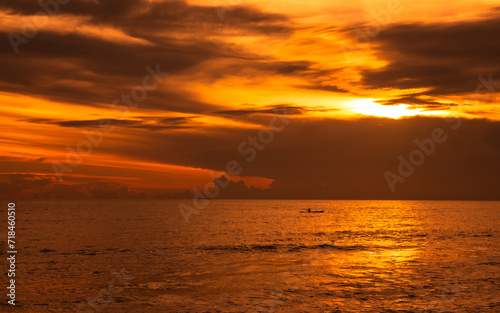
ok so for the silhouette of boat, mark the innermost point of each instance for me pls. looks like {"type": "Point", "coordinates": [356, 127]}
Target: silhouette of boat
{"type": "Point", "coordinates": [312, 211]}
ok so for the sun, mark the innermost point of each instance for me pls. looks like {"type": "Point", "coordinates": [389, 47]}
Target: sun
{"type": "Point", "coordinates": [368, 107]}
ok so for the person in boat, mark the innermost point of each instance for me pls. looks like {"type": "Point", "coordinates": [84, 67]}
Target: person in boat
{"type": "Point", "coordinates": [309, 210]}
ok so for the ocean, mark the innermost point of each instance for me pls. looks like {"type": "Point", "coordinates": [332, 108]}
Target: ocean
{"type": "Point", "coordinates": [256, 256]}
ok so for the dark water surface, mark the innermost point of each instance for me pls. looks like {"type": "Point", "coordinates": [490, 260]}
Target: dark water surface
{"type": "Point", "coordinates": [258, 256]}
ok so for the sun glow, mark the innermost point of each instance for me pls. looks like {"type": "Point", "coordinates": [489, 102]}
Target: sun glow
{"type": "Point", "coordinates": [368, 107]}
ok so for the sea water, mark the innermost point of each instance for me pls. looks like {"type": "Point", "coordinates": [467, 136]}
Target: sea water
{"type": "Point", "coordinates": [257, 256]}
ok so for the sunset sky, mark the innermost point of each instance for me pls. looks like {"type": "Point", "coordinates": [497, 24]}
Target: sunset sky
{"type": "Point", "coordinates": [355, 84]}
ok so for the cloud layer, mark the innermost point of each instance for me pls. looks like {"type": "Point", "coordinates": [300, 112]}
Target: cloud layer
{"type": "Point", "coordinates": [228, 78]}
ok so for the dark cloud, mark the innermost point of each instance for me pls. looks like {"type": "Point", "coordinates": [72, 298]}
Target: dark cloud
{"type": "Point", "coordinates": [10, 184]}
{"type": "Point", "coordinates": [149, 123]}
{"type": "Point", "coordinates": [187, 41]}
{"type": "Point", "coordinates": [287, 68]}
{"type": "Point", "coordinates": [447, 58]}
{"type": "Point", "coordinates": [416, 102]}
{"type": "Point", "coordinates": [323, 88]}
{"type": "Point", "coordinates": [78, 69]}
{"type": "Point", "coordinates": [260, 67]}
{"type": "Point", "coordinates": [279, 109]}
{"type": "Point", "coordinates": [141, 17]}
{"type": "Point", "coordinates": [312, 159]}
{"type": "Point", "coordinates": [15, 186]}
{"type": "Point", "coordinates": [238, 190]}
{"type": "Point", "coordinates": [109, 8]}
{"type": "Point", "coordinates": [179, 37]}
{"type": "Point", "coordinates": [273, 110]}
{"type": "Point", "coordinates": [341, 159]}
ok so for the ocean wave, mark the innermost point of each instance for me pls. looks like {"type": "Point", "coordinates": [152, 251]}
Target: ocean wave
{"type": "Point", "coordinates": [280, 247]}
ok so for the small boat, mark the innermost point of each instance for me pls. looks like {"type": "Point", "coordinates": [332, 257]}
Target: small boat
{"type": "Point", "coordinates": [312, 211]}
